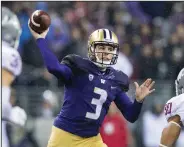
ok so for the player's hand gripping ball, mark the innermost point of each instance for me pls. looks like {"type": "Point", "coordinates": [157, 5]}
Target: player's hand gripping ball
{"type": "Point", "coordinates": [39, 21]}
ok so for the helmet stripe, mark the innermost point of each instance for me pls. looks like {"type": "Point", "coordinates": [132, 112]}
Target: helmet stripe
{"type": "Point", "coordinates": [104, 33]}
{"type": "Point", "coordinates": [110, 34]}
{"type": "Point", "coordinates": [107, 34]}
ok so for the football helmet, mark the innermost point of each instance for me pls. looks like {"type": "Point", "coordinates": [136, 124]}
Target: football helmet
{"type": "Point", "coordinates": [179, 83]}
{"type": "Point", "coordinates": [11, 29]}
{"type": "Point", "coordinates": [103, 37]}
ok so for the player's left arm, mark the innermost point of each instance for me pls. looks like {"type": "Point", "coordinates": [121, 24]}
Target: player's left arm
{"type": "Point", "coordinates": [171, 132]}
{"type": "Point", "coordinates": [129, 109]}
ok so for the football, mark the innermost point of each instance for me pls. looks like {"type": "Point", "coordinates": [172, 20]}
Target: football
{"type": "Point", "coordinates": [39, 21]}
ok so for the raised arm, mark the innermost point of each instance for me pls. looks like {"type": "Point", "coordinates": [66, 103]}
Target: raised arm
{"type": "Point", "coordinates": [61, 71]}
{"type": "Point", "coordinates": [52, 63]}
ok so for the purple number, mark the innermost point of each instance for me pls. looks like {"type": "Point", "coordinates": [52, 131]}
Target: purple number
{"type": "Point", "coordinates": [168, 108]}
{"type": "Point", "coordinates": [14, 63]}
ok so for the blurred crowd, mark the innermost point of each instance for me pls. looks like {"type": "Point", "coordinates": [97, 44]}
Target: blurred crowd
{"type": "Point", "coordinates": [151, 34]}
{"type": "Point", "coordinates": [151, 38]}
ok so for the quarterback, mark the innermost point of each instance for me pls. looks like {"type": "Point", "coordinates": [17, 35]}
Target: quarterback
{"type": "Point", "coordinates": [174, 112]}
{"type": "Point", "coordinates": [90, 86]}
{"type": "Point", "coordinates": [11, 67]}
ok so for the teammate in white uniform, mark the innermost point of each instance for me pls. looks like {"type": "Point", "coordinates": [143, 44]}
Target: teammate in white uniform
{"type": "Point", "coordinates": [174, 111]}
{"type": "Point", "coordinates": [11, 67]}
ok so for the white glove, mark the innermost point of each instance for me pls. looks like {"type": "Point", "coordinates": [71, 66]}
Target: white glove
{"type": "Point", "coordinates": [18, 116]}
{"type": "Point", "coordinates": [36, 35]}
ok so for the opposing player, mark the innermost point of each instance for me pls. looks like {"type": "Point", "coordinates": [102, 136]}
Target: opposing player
{"type": "Point", "coordinates": [174, 111]}
{"type": "Point", "coordinates": [90, 86]}
{"type": "Point", "coordinates": [11, 67]}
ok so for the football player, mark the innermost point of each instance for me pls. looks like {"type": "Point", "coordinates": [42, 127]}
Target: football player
{"type": "Point", "coordinates": [174, 111]}
{"type": "Point", "coordinates": [90, 86]}
{"type": "Point", "coordinates": [11, 67]}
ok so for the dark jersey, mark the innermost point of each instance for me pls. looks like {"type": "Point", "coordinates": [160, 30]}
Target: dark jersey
{"type": "Point", "coordinates": [88, 93]}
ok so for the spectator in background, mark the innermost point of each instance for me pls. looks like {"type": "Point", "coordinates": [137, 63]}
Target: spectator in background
{"type": "Point", "coordinates": [153, 123]}
{"type": "Point", "coordinates": [123, 63]}
{"type": "Point", "coordinates": [114, 130]}
{"type": "Point", "coordinates": [76, 45]}
{"type": "Point", "coordinates": [177, 14]}
{"type": "Point", "coordinates": [180, 33]}
{"type": "Point", "coordinates": [31, 56]}
{"type": "Point", "coordinates": [58, 36]}
{"type": "Point", "coordinates": [145, 62]}
{"type": "Point", "coordinates": [42, 79]}
{"type": "Point", "coordinates": [146, 34]}
{"type": "Point", "coordinates": [42, 6]}
{"type": "Point", "coordinates": [160, 66]}
{"type": "Point", "coordinates": [23, 12]}
{"type": "Point", "coordinates": [136, 10]}
{"type": "Point", "coordinates": [135, 28]}
{"type": "Point", "coordinates": [136, 46]}
{"type": "Point", "coordinates": [49, 104]}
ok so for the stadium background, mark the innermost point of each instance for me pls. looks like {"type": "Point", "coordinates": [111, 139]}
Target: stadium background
{"type": "Point", "coordinates": [151, 36]}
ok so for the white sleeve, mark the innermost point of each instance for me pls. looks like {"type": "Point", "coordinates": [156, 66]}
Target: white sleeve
{"type": "Point", "coordinates": [175, 106]}
{"type": "Point", "coordinates": [6, 106]}
{"type": "Point", "coordinates": [11, 60]}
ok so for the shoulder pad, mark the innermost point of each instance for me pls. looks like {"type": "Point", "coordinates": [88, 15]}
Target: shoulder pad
{"type": "Point", "coordinates": [75, 62]}
{"type": "Point", "coordinates": [122, 79]}
{"type": "Point", "coordinates": [70, 60]}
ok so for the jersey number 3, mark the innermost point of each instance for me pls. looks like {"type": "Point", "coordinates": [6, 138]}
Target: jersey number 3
{"type": "Point", "coordinates": [98, 102]}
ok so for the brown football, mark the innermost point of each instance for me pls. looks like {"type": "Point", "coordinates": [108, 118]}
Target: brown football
{"type": "Point", "coordinates": [39, 21]}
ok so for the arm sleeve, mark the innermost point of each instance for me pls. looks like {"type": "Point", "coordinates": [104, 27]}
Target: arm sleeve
{"type": "Point", "coordinates": [129, 109]}
{"type": "Point", "coordinates": [61, 71]}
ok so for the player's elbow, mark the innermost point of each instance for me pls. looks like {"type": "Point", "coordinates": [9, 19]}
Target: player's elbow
{"type": "Point", "coordinates": [131, 119]}
{"type": "Point", "coordinates": [52, 70]}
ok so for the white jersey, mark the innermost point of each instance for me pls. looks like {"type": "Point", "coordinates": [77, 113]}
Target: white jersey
{"type": "Point", "coordinates": [11, 59]}
{"type": "Point", "coordinates": [14, 114]}
{"type": "Point", "coordinates": [175, 106]}
{"type": "Point", "coordinates": [6, 110]}
{"type": "Point", "coordinates": [12, 62]}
